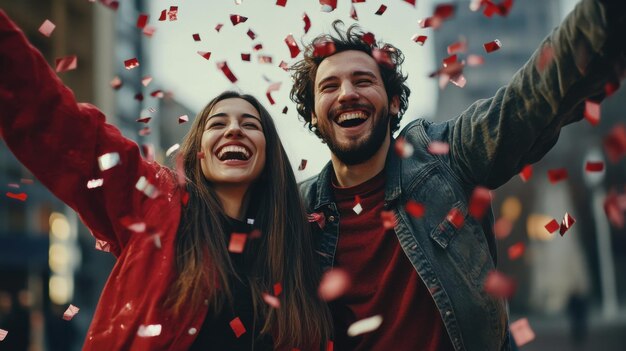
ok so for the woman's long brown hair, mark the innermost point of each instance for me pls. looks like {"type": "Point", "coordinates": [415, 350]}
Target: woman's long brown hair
{"type": "Point", "coordinates": [283, 254]}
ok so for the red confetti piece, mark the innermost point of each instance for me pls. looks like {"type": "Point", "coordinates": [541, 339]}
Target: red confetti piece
{"type": "Point", "coordinates": [383, 58]}
{"type": "Point", "coordinates": [516, 251]}
{"type": "Point", "coordinates": [255, 234]}
{"type": "Point", "coordinates": [131, 63]}
{"type": "Point", "coordinates": [218, 27]}
{"type": "Point", "coordinates": [592, 166]}
{"type": "Point", "coordinates": [357, 1]}
{"type": "Point", "coordinates": [281, 3]}
{"type": "Point", "coordinates": [403, 148]}
{"type": "Point", "coordinates": [323, 48]}
{"type": "Point", "coordinates": [227, 72]}
{"type": "Point", "coordinates": [567, 222]}
{"type": "Point", "coordinates": [444, 11]}
{"type": "Point", "coordinates": [552, 226]}
{"type": "Point", "coordinates": [557, 175]}
{"type": "Point", "coordinates": [430, 22]}
{"type": "Point", "coordinates": [143, 119]}
{"type": "Point", "coordinates": [353, 13]}
{"type": "Point", "coordinates": [3, 334]}
{"type": "Point", "coordinates": [492, 46]}
{"type": "Point", "coordinates": [317, 217]}
{"type": "Point", "coordinates": [285, 109]}
{"type": "Point", "coordinates": [148, 331]}
{"type": "Point", "coordinates": [67, 63]}
{"type": "Point", "coordinates": [334, 283]}
{"type": "Point", "coordinates": [499, 285]}
{"type": "Point", "coordinates": [502, 228]}
{"type": "Point", "coordinates": [328, 5]}
{"type": "Point", "coordinates": [307, 22]}
{"type": "Point", "coordinates": [613, 210]}
{"type": "Point", "coordinates": [163, 15]}
{"type": "Point", "coordinates": [479, 203]}
{"type": "Point", "coordinates": [142, 20]}
{"type": "Point", "coordinates": [284, 66]}
{"type": "Point", "coordinates": [449, 60]}
{"type": "Point", "coordinates": [116, 83]}
{"type": "Point", "coordinates": [196, 37]}
{"type": "Point", "coordinates": [438, 148]}
{"type": "Point", "coordinates": [139, 97]}
{"type": "Point", "coordinates": [133, 224]}
{"type": "Point", "coordinates": [456, 217]}
{"type": "Point", "coordinates": [14, 185]}
{"type": "Point", "coordinates": [412, 2]}
{"type": "Point", "coordinates": [172, 13]}
{"type": "Point", "coordinates": [615, 143]}
{"type": "Point", "coordinates": [26, 181]}
{"type": "Point", "coordinates": [278, 288]}
{"type": "Point", "coordinates": [272, 87]}
{"type": "Point", "coordinates": [521, 332]}
{"type": "Point", "coordinates": [257, 47]}
{"type": "Point", "coordinates": [245, 57]}
{"type": "Point", "coordinates": [369, 38]}
{"type": "Point", "coordinates": [237, 326]}
{"type": "Point", "coordinates": [113, 5]}
{"type": "Point", "coordinates": [357, 205]}
{"type": "Point", "coordinates": [302, 166]}
{"type": "Point", "coordinates": [103, 246]}
{"type": "Point", "coordinates": [457, 47]}
{"type": "Point", "coordinates": [148, 31]}
{"type": "Point", "coordinates": [236, 19]}
{"type": "Point", "coordinates": [526, 173]}
{"type": "Point", "coordinates": [545, 58]}
{"type": "Point", "coordinates": [251, 34]}
{"type": "Point", "coordinates": [70, 312]}
{"type": "Point", "coordinates": [271, 300]}
{"type": "Point", "coordinates": [381, 10]}
{"type": "Point", "coordinates": [389, 219]}
{"type": "Point", "coordinates": [265, 59]}
{"type": "Point", "coordinates": [414, 209]}
{"type": "Point", "coordinates": [610, 88]}
{"type": "Point", "coordinates": [237, 242]}
{"type": "Point", "coordinates": [474, 60]}
{"type": "Point", "coordinates": [330, 346]}
{"type": "Point", "coordinates": [183, 119]}
{"type": "Point", "coordinates": [20, 196]}
{"type": "Point", "coordinates": [47, 28]}
{"type": "Point", "coordinates": [592, 112]}
{"type": "Point", "coordinates": [420, 39]}
{"type": "Point", "coordinates": [205, 54]}
{"type": "Point", "coordinates": [293, 46]}
{"type": "Point", "coordinates": [146, 80]}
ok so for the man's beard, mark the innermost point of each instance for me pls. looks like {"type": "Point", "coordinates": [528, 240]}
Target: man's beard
{"type": "Point", "coordinates": [361, 151]}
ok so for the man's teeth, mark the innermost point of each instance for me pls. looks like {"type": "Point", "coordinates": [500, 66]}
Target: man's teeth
{"type": "Point", "coordinates": [233, 148]}
{"type": "Point", "coordinates": [351, 115]}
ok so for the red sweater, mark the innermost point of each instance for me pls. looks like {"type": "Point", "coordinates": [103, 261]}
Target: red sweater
{"type": "Point", "coordinates": [60, 141]}
{"type": "Point", "coordinates": [383, 281]}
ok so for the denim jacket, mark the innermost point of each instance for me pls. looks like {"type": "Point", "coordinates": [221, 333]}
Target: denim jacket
{"type": "Point", "coordinates": [489, 143]}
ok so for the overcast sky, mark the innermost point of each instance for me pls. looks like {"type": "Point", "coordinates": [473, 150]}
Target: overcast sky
{"type": "Point", "coordinates": [178, 67]}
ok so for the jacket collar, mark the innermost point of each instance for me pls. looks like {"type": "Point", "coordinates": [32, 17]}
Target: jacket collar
{"type": "Point", "coordinates": [393, 188]}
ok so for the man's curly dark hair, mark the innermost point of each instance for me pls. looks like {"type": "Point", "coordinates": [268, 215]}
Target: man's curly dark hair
{"type": "Point", "coordinates": [304, 71]}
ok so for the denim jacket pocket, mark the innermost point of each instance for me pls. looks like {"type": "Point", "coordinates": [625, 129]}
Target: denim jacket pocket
{"type": "Point", "coordinates": [443, 233]}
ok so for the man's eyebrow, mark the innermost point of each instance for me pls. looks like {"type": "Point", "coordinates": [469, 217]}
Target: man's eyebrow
{"type": "Point", "coordinates": [223, 114]}
{"type": "Point", "coordinates": [353, 74]}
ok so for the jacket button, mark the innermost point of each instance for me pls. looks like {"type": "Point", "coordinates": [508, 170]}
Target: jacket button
{"type": "Point", "coordinates": [448, 313]}
{"type": "Point", "coordinates": [192, 331]}
{"type": "Point", "coordinates": [331, 218]}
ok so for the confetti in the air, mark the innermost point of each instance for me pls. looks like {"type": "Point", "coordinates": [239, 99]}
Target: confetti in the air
{"type": "Point", "coordinates": [302, 165]}
{"type": "Point", "coordinates": [502, 228]}
{"type": "Point", "coordinates": [3, 334]}
{"type": "Point", "coordinates": [557, 175]}
{"type": "Point", "coordinates": [19, 196]}
{"type": "Point", "coordinates": [403, 148]}
{"type": "Point", "coordinates": [522, 332]}
{"type": "Point", "coordinates": [46, 28]}
{"type": "Point", "coordinates": [70, 312]}
{"type": "Point", "coordinates": [479, 203]}
{"type": "Point", "coordinates": [237, 326]}
{"type": "Point", "coordinates": [365, 325]}
{"type": "Point", "coordinates": [237, 242]}
{"type": "Point", "coordinates": [516, 251]}
{"type": "Point", "coordinates": [456, 217]}
{"type": "Point", "coordinates": [293, 46]}
{"type": "Point", "coordinates": [218, 27]}
{"type": "Point", "coordinates": [271, 88]}
{"type": "Point", "coordinates": [145, 187]}
{"type": "Point", "coordinates": [383, 58]}
{"type": "Point", "coordinates": [307, 22]}
{"type": "Point", "coordinates": [281, 3]}
{"type": "Point", "coordinates": [333, 284]}
{"type": "Point", "coordinates": [388, 219]}
{"type": "Point", "coordinates": [103, 246]}
{"type": "Point", "coordinates": [615, 143]}
{"type": "Point", "coordinates": [108, 160]}
{"type": "Point", "coordinates": [592, 112]}
{"type": "Point", "coordinates": [381, 10]}
{"type": "Point", "coordinates": [245, 57]}
{"type": "Point", "coordinates": [95, 183]}
{"type": "Point", "coordinates": [552, 226]}
{"type": "Point", "coordinates": [172, 149]}
{"type": "Point", "coordinates": [142, 20]}
{"type": "Point", "coordinates": [116, 83]}
{"type": "Point", "coordinates": [148, 331]}
{"type": "Point", "coordinates": [205, 54]}
{"type": "Point", "coordinates": [131, 63]}
{"type": "Point", "coordinates": [438, 148]}
{"type": "Point", "coordinates": [323, 48]}
{"type": "Point", "coordinates": [272, 301]}
{"type": "Point", "coordinates": [420, 39]}
{"type": "Point", "coordinates": [145, 81]}
{"type": "Point", "coordinates": [251, 34]}
{"type": "Point", "coordinates": [594, 166]}
{"type": "Point", "coordinates": [414, 208]}
{"type": "Point", "coordinates": [278, 288]}
{"type": "Point", "coordinates": [227, 72]}
{"type": "Point", "coordinates": [183, 119]}
{"type": "Point", "coordinates": [526, 173]}
{"type": "Point", "coordinates": [545, 58]}
{"type": "Point", "coordinates": [567, 222]}
{"type": "Point", "coordinates": [196, 37]}
{"type": "Point", "coordinates": [236, 19]}
{"type": "Point", "coordinates": [474, 60]}
{"type": "Point", "coordinates": [492, 46]}
{"type": "Point", "coordinates": [497, 284]}
{"type": "Point", "coordinates": [457, 47]}
{"type": "Point", "coordinates": [328, 5]}
{"type": "Point", "coordinates": [65, 64]}
{"type": "Point", "coordinates": [353, 13]}
{"type": "Point", "coordinates": [317, 217]}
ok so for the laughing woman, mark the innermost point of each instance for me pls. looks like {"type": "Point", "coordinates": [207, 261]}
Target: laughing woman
{"type": "Point", "coordinates": [216, 256]}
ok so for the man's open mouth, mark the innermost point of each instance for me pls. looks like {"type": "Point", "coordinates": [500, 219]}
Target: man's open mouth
{"type": "Point", "coordinates": [351, 119]}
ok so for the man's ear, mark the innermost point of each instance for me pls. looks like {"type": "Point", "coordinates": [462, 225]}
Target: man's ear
{"type": "Point", "coordinates": [394, 105]}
